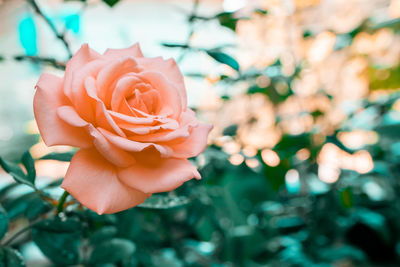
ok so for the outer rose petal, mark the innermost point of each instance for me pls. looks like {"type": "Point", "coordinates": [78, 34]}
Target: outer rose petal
{"type": "Point", "coordinates": [133, 51]}
{"type": "Point", "coordinates": [82, 57]}
{"type": "Point", "coordinates": [93, 181]}
{"type": "Point", "coordinates": [48, 97]}
{"type": "Point", "coordinates": [167, 175]}
{"type": "Point", "coordinates": [194, 144]}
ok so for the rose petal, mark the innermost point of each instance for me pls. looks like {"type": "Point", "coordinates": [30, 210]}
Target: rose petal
{"type": "Point", "coordinates": [133, 51]}
{"type": "Point", "coordinates": [122, 118]}
{"type": "Point", "coordinates": [144, 130]}
{"type": "Point", "coordinates": [83, 56]}
{"type": "Point", "coordinates": [103, 118]}
{"type": "Point", "coordinates": [94, 183]}
{"type": "Point", "coordinates": [188, 120]}
{"type": "Point", "coordinates": [165, 176]}
{"type": "Point", "coordinates": [169, 93]}
{"type": "Point", "coordinates": [108, 76]}
{"type": "Point", "coordinates": [170, 69]}
{"type": "Point", "coordinates": [123, 87]}
{"type": "Point", "coordinates": [112, 153]}
{"type": "Point", "coordinates": [82, 102]}
{"type": "Point", "coordinates": [194, 144]}
{"type": "Point", "coordinates": [48, 97]}
{"type": "Point", "coordinates": [133, 146]}
{"type": "Point", "coordinates": [70, 116]}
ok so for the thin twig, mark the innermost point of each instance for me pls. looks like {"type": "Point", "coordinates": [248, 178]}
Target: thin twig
{"type": "Point", "coordinates": [45, 60]}
{"type": "Point", "coordinates": [60, 36]}
{"type": "Point", "coordinates": [20, 232]}
{"type": "Point", "coordinates": [191, 31]}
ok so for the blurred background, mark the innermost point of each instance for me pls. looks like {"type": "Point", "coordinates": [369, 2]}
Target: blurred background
{"type": "Point", "coordinates": [303, 164]}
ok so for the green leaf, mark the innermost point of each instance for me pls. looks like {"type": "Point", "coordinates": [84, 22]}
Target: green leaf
{"type": "Point", "coordinates": [227, 19]}
{"type": "Point", "coordinates": [110, 3]}
{"type": "Point", "coordinates": [16, 172]}
{"type": "Point", "coordinates": [11, 258]}
{"type": "Point", "coordinates": [59, 240]}
{"type": "Point", "coordinates": [164, 202]}
{"type": "Point", "coordinates": [104, 233]}
{"type": "Point", "coordinates": [65, 156]}
{"type": "Point", "coordinates": [18, 206]}
{"type": "Point", "coordinates": [224, 59]}
{"type": "Point", "coordinates": [3, 222]}
{"type": "Point", "coordinates": [230, 130]}
{"type": "Point", "coordinates": [389, 130]}
{"type": "Point", "coordinates": [29, 164]}
{"type": "Point", "coordinates": [170, 45]}
{"type": "Point", "coordinates": [112, 251]}
{"type": "Point", "coordinates": [36, 208]}
{"type": "Point", "coordinates": [261, 11]}
{"type": "Point", "coordinates": [4, 191]}
{"type": "Point", "coordinates": [346, 197]}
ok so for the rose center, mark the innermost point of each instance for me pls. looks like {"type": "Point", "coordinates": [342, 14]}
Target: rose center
{"type": "Point", "coordinates": [144, 98]}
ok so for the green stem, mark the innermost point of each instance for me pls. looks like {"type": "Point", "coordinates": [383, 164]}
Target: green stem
{"type": "Point", "coordinates": [61, 201]}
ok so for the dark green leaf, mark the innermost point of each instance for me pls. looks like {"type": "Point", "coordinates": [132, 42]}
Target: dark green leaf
{"type": "Point", "coordinates": [230, 130]}
{"type": "Point", "coordinates": [54, 183]}
{"type": "Point", "coordinates": [104, 233]}
{"type": "Point", "coordinates": [36, 208]}
{"type": "Point", "coordinates": [175, 45]}
{"type": "Point", "coordinates": [346, 197]}
{"type": "Point", "coordinates": [65, 156]}
{"type": "Point", "coordinates": [29, 164]}
{"type": "Point", "coordinates": [112, 251]}
{"type": "Point", "coordinates": [164, 202]}
{"type": "Point", "coordinates": [59, 240]}
{"type": "Point", "coordinates": [261, 11]}
{"type": "Point", "coordinates": [228, 20]}
{"type": "Point", "coordinates": [110, 3]}
{"type": "Point", "coordinates": [389, 131]}
{"type": "Point", "coordinates": [3, 222]}
{"type": "Point", "coordinates": [11, 258]}
{"type": "Point", "coordinates": [17, 206]}
{"type": "Point", "coordinates": [15, 171]}
{"type": "Point", "coordinates": [224, 59]}
{"type": "Point", "coordinates": [6, 189]}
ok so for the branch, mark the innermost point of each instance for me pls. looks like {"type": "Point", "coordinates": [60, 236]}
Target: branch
{"type": "Point", "coordinates": [46, 60]}
{"type": "Point", "coordinates": [20, 232]}
{"type": "Point", "coordinates": [60, 36]}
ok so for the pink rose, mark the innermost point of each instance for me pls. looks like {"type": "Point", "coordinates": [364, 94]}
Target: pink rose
{"type": "Point", "coordinates": [129, 117]}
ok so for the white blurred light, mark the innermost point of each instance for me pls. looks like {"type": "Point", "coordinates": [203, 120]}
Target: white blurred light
{"type": "Point", "coordinates": [252, 163]}
{"type": "Point", "coordinates": [233, 5]}
{"type": "Point", "coordinates": [236, 159]}
{"type": "Point", "coordinates": [303, 154]}
{"type": "Point", "coordinates": [292, 176]}
{"type": "Point", "coordinates": [374, 191]}
{"type": "Point", "coordinates": [328, 173]}
{"type": "Point", "coordinates": [249, 151]}
{"type": "Point", "coordinates": [270, 157]}
{"type": "Point", "coordinates": [292, 180]}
